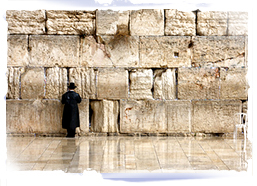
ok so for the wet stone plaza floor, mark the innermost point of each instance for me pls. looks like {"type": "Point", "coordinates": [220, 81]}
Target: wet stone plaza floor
{"type": "Point", "coordinates": [127, 154]}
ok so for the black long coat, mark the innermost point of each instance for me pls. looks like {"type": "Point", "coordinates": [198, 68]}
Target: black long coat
{"type": "Point", "coordinates": [70, 119]}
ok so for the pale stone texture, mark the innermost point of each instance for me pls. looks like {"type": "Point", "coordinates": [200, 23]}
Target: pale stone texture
{"type": "Point", "coordinates": [220, 51]}
{"type": "Point", "coordinates": [74, 22]}
{"type": "Point", "coordinates": [165, 84]}
{"type": "Point", "coordinates": [111, 51]}
{"type": "Point", "coordinates": [13, 81]}
{"type": "Point", "coordinates": [198, 83]}
{"type": "Point", "coordinates": [25, 21]}
{"type": "Point", "coordinates": [112, 84]}
{"type": "Point", "coordinates": [141, 84]}
{"type": "Point", "coordinates": [178, 23]}
{"type": "Point", "coordinates": [234, 84]}
{"type": "Point", "coordinates": [105, 116]}
{"type": "Point", "coordinates": [214, 116]}
{"type": "Point", "coordinates": [154, 116]}
{"type": "Point", "coordinates": [245, 107]}
{"type": "Point", "coordinates": [56, 82]}
{"type": "Point", "coordinates": [17, 50]}
{"type": "Point", "coordinates": [109, 22]}
{"type": "Point", "coordinates": [85, 80]}
{"type": "Point", "coordinates": [147, 22]}
{"type": "Point", "coordinates": [212, 23]}
{"type": "Point", "coordinates": [49, 51]}
{"type": "Point", "coordinates": [166, 51]}
{"type": "Point", "coordinates": [84, 116]}
{"type": "Point", "coordinates": [32, 83]}
{"type": "Point", "coordinates": [237, 23]}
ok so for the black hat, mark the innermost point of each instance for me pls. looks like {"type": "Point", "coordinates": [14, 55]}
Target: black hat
{"type": "Point", "coordinates": [72, 86]}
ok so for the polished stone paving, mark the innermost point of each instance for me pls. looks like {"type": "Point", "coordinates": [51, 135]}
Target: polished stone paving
{"type": "Point", "coordinates": [127, 154]}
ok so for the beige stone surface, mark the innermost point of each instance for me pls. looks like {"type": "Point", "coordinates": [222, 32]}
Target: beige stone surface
{"type": "Point", "coordinates": [32, 83]}
{"type": "Point", "coordinates": [234, 83]}
{"type": "Point", "coordinates": [179, 23]}
{"type": "Point", "coordinates": [168, 51]}
{"type": "Point", "coordinates": [215, 116]}
{"type": "Point", "coordinates": [147, 22]}
{"type": "Point", "coordinates": [74, 22]}
{"type": "Point", "coordinates": [165, 84]}
{"type": "Point", "coordinates": [56, 82]}
{"type": "Point", "coordinates": [245, 107]}
{"type": "Point", "coordinates": [110, 22]}
{"type": "Point", "coordinates": [212, 23]}
{"type": "Point", "coordinates": [112, 83]}
{"type": "Point", "coordinates": [17, 46]}
{"type": "Point", "coordinates": [237, 23]}
{"type": "Point", "coordinates": [52, 50]}
{"type": "Point", "coordinates": [105, 116]}
{"type": "Point", "coordinates": [84, 116]}
{"type": "Point", "coordinates": [141, 84]}
{"type": "Point", "coordinates": [25, 21]}
{"type": "Point", "coordinates": [85, 80]}
{"type": "Point", "coordinates": [222, 51]}
{"type": "Point", "coordinates": [13, 82]}
{"type": "Point", "coordinates": [198, 83]}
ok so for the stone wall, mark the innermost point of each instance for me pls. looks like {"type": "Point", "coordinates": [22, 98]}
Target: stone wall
{"type": "Point", "coordinates": [139, 71]}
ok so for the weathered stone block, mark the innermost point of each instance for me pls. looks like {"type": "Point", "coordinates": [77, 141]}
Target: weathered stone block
{"type": "Point", "coordinates": [147, 22]}
{"type": "Point", "coordinates": [168, 51]}
{"type": "Point", "coordinates": [212, 23]}
{"type": "Point", "coordinates": [141, 84]}
{"type": "Point", "coordinates": [74, 22]}
{"type": "Point", "coordinates": [85, 80]}
{"type": "Point", "coordinates": [25, 21]}
{"type": "Point", "coordinates": [105, 116]}
{"type": "Point", "coordinates": [245, 107]}
{"type": "Point", "coordinates": [198, 83]}
{"type": "Point", "coordinates": [32, 83]}
{"type": "Point", "coordinates": [56, 82]}
{"type": "Point", "coordinates": [165, 84]}
{"type": "Point", "coordinates": [233, 84]}
{"type": "Point", "coordinates": [109, 22]}
{"type": "Point", "coordinates": [13, 81]}
{"type": "Point", "coordinates": [112, 84]}
{"type": "Point", "coordinates": [120, 51]}
{"type": "Point", "coordinates": [49, 51]}
{"type": "Point", "coordinates": [215, 116]}
{"type": "Point", "coordinates": [237, 23]}
{"type": "Point", "coordinates": [221, 51]}
{"type": "Point", "coordinates": [178, 23]}
{"type": "Point", "coordinates": [84, 116]}
{"type": "Point", "coordinates": [17, 50]}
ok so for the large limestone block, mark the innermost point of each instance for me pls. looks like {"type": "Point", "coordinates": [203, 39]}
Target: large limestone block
{"type": "Point", "coordinates": [111, 51]}
{"type": "Point", "coordinates": [13, 81]}
{"type": "Point", "coordinates": [25, 21]}
{"type": "Point", "coordinates": [220, 51]}
{"type": "Point", "coordinates": [237, 23]}
{"type": "Point", "coordinates": [84, 116]}
{"type": "Point", "coordinates": [85, 80]}
{"type": "Point", "coordinates": [109, 22]}
{"type": "Point", "coordinates": [215, 116]}
{"type": "Point", "coordinates": [105, 116]}
{"type": "Point", "coordinates": [17, 50]}
{"type": "Point", "coordinates": [112, 84]}
{"type": "Point", "coordinates": [198, 83]}
{"type": "Point", "coordinates": [34, 116]}
{"type": "Point", "coordinates": [49, 51]}
{"type": "Point", "coordinates": [166, 51]}
{"type": "Point", "coordinates": [74, 22]}
{"type": "Point", "coordinates": [32, 83]}
{"type": "Point", "coordinates": [56, 82]}
{"type": "Point", "coordinates": [234, 84]}
{"type": "Point", "coordinates": [212, 23]}
{"type": "Point", "coordinates": [141, 84]}
{"type": "Point", "coordinates": [147, 22]}
{"type": "Point", "coordinates": [178, 23]}
{"type": "Point", "coordinates": [165, 84]}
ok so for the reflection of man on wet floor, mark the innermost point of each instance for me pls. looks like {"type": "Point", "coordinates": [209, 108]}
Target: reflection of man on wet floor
{"type": "Point", "coordinates": [70, 119]}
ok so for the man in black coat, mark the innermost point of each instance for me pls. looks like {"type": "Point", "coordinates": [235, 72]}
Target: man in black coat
{"type": "Point", "coordinates": [70, 119]}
